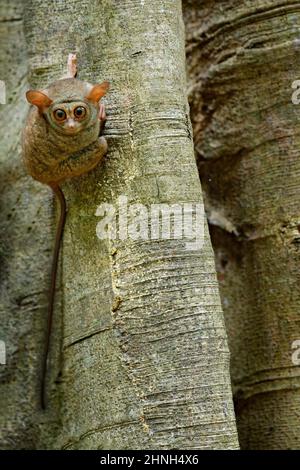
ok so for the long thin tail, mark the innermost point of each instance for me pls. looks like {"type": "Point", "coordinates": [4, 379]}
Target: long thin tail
{"type": "Point", "coordinates": [59, 232]}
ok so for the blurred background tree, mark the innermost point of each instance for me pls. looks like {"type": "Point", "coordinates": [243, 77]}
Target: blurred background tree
{"type": "Point", "coordinates": [242, 58]}
{"type": "Point", "coordinates": [139, 356]}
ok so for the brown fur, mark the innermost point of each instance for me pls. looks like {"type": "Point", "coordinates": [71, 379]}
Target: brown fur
{"type": "Point", "coordinates": [54, 150]}
{"type": "Point", "coordinates": [49, 154]}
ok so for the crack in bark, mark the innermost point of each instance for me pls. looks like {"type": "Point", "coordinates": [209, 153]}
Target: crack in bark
{"type": "Point", "coordinates": [90, 335]}
{"type": "Point", "coordinates": [205, 36]}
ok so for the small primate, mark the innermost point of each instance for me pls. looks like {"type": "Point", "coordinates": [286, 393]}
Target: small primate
{"type": "Point", "coordinates": [61, 139]}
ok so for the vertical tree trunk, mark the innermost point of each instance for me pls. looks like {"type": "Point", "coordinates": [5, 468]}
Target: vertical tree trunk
{"type": "Point", "coordinates": [24, 248]}
{"type": "Point", "coordinates": [242, 60]}
{"type": "Point", "coordinates": [144, 358]}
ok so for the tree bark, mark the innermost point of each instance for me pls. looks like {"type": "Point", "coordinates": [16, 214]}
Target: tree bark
{"type": "Point", "coordinates": [23, 247]}
{"type": "Point", "coordinates": [144, 350]}
{"type": "Point", "coordinates": [242, 59]}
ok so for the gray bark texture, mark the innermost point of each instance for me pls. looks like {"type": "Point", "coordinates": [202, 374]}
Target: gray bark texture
{"type": "Point", "coordinates": [242, 58]}
{"type": "Point", "coordinates": [24, 244]}
{"type": "Point", "coordinates": [139, 355]}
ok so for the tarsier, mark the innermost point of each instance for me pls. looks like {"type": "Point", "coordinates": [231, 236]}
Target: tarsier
{"type": "Point", "coordinates": [61, 140]}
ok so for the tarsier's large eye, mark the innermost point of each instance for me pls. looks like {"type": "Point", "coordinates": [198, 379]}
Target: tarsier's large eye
{"type": "Point", "coordinates": [79, 112]}
{"type": "Point", "coordinates": [60, 115]}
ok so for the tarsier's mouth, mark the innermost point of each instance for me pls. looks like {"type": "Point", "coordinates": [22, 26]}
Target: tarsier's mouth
{"type": "Point", "coordinates": [71, 131]}
{"type": "Point", "coordinates": [68, 131]}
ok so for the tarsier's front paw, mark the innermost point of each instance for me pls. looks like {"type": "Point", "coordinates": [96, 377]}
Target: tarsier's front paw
{"type": "Point", "coordinates": [102, 113]}
{"type": "Point", "coordinates": [102, 117]}
{"type": "Point", "coordinates": [103, 145]}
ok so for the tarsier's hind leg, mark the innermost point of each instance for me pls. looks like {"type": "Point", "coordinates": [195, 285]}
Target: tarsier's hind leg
{"type": "Point", "coordinates": [84, 160]}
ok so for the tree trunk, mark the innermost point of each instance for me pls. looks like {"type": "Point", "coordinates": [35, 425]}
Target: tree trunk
{"type": "Point", "coordinates": [24, 248]}
{"type": "Point", "coordinates": [242, 60]}
{"type": "Point", "coordinates": [144, 349]}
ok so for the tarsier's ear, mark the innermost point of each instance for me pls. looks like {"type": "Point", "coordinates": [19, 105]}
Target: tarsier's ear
{"type": "Point", "coordinates": [39, 99]}
{"type": "Point", "coordinates": [97, 92]}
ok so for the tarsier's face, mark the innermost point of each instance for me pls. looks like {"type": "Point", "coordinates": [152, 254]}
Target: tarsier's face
{"type": "Point", "coordinates": [71, 117]}
{"type": "Point", "coordinates": [69, 106]}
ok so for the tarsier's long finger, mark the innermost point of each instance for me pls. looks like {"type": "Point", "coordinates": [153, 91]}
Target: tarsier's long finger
{"type": "Point", "coordinates": [102, 113]}
{"type": "Point", "coordinates": [72, 65]}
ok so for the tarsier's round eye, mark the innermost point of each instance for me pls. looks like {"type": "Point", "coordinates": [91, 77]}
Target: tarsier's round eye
{"type": "Point", "coordinates": [60, 115]}
{"type": "Point", "coordinates": [79, 112]}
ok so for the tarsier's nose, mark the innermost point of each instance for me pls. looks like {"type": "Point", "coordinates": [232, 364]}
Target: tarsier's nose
{"type": "Point", "coordinates": [71, 124]}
